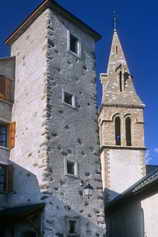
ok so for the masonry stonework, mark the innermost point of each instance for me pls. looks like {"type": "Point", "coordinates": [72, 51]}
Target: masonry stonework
{"type": "Point", "coordinates": [50, 132]}
{"type": "Point", "coordinates": [122, 148]}
{"type": "Point", "coordinates": [64, 180]}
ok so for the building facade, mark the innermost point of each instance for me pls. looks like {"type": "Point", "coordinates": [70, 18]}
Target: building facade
{"type": "Point", "coordinates": [54, 146]}
{"type": "Point", "coordinates": [121, 126]}
{"type": "Point", "coordinates": [65, 169]}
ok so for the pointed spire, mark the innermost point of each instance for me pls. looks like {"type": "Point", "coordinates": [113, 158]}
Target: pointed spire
{"type": "Point", "coordinates": [118, 88]}
{"type": "Point", "coordinates": [117, 56]}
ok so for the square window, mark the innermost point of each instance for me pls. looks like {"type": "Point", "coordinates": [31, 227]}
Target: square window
{"type": "Point", "coordinates": [74, 44]}
{"type": "Point", "coordinates": [68, 98]}
{"type": "Point", "coordinates": [3, 135]}
{"type": "Point", "coordinates": [70, 167]}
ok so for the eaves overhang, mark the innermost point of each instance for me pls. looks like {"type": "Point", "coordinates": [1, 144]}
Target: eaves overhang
{"type": "Point", "coordinates": [59, 10]}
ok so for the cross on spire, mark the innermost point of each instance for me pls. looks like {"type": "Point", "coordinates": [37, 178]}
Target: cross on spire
{"type": "Point", "coordinates": [114, 21]}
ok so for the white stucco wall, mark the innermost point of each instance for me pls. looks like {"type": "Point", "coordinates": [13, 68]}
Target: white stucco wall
{"type": "Point", "coordinates": [123, 167]}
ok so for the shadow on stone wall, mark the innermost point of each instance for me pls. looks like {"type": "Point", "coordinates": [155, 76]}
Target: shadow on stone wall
{"type": "Point", "coordinates": [27, 191]}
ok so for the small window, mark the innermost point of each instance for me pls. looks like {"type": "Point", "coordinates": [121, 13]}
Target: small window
{"type": "Point", "coordinates": [72, 226]}
{"type": "Point", "coordinates": [5, 88]}
{"type": "Point", "coordinates": [3, 135]}
{"type": "Point", "coordinates": [68, 98]}
{"type": "Point", "coordinates": [116, 49]}
{"type": "Point", "coordinates": [71, 168]}
{"type": "Point", "coordinates": [74, 44]}
{"type": "Point", "coordinates": [6, 178]}
{"type": "Point", "coordinates": [128, 132]}
{"type": "Point", "coordinates": [118, 131]}
{"type": "Point", "coordinates": [3, 174]}
{"type": "Point", "coordinates": [120, 80]}
{"type": "Point", "coordinates": [7, 135]}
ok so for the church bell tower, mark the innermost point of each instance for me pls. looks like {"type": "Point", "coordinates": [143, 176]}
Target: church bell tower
{"type": "Point", "coordinates": [121, 125]}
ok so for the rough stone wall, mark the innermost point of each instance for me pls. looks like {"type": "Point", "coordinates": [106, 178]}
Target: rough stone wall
{"type": "Point", "coordinates": [47, 131]}
{"type": "Point", "coordinates": [72, 134]}
{"type": "Point", "coordinates": [29, 111]}
{"type": "Point", "coordinates": [122, 166]}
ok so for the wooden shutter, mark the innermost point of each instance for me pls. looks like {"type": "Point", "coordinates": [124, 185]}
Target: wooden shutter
{"type": "Point", "coordinates": [9, 179]}
{"type": "Point", "coordinates": [11, 135]}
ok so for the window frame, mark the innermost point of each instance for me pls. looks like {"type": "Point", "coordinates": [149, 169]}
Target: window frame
{"type": "Point", "coordinates": [77, 228]}
{"type": "Point", "coordinates": [10, 136]}
{"type": "Point", "coordinates": [8, 179]}
{"type": "Point", "coordinates": [120, 81]}
{"type": "Point", "coordinates": [5, 178]}
{"type": "Point", "coordinates": [117, 142]}
{"type": "Point", "coordinates": [5, 88]}
{"type": "Point", "coordinates": [128, 131]}
{"type": "Point", "coordinates": [73, 105]}
{"type": "Point", "coordinates": [6, 125]}
{"type": "Point", "coordinates": [76, 170]}
{"type": "Point", "coordinates": [78, 54]}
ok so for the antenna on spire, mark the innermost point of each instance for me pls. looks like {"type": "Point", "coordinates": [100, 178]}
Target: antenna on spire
{"type": "Point", "coordinates": [114, 21]}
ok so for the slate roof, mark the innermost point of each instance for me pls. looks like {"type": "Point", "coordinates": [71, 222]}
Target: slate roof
{"type": "Point", "coordinates": [145, 187]}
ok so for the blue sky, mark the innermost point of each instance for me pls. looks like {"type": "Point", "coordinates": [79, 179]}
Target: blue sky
{"type": "Point", "coordinates": [138, 31]}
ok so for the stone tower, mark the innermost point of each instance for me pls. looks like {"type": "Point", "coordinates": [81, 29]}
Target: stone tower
{"type": "Point", "coordinates": [121, 125]}
{"type": "Point", "coordinates": [56, 153]}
